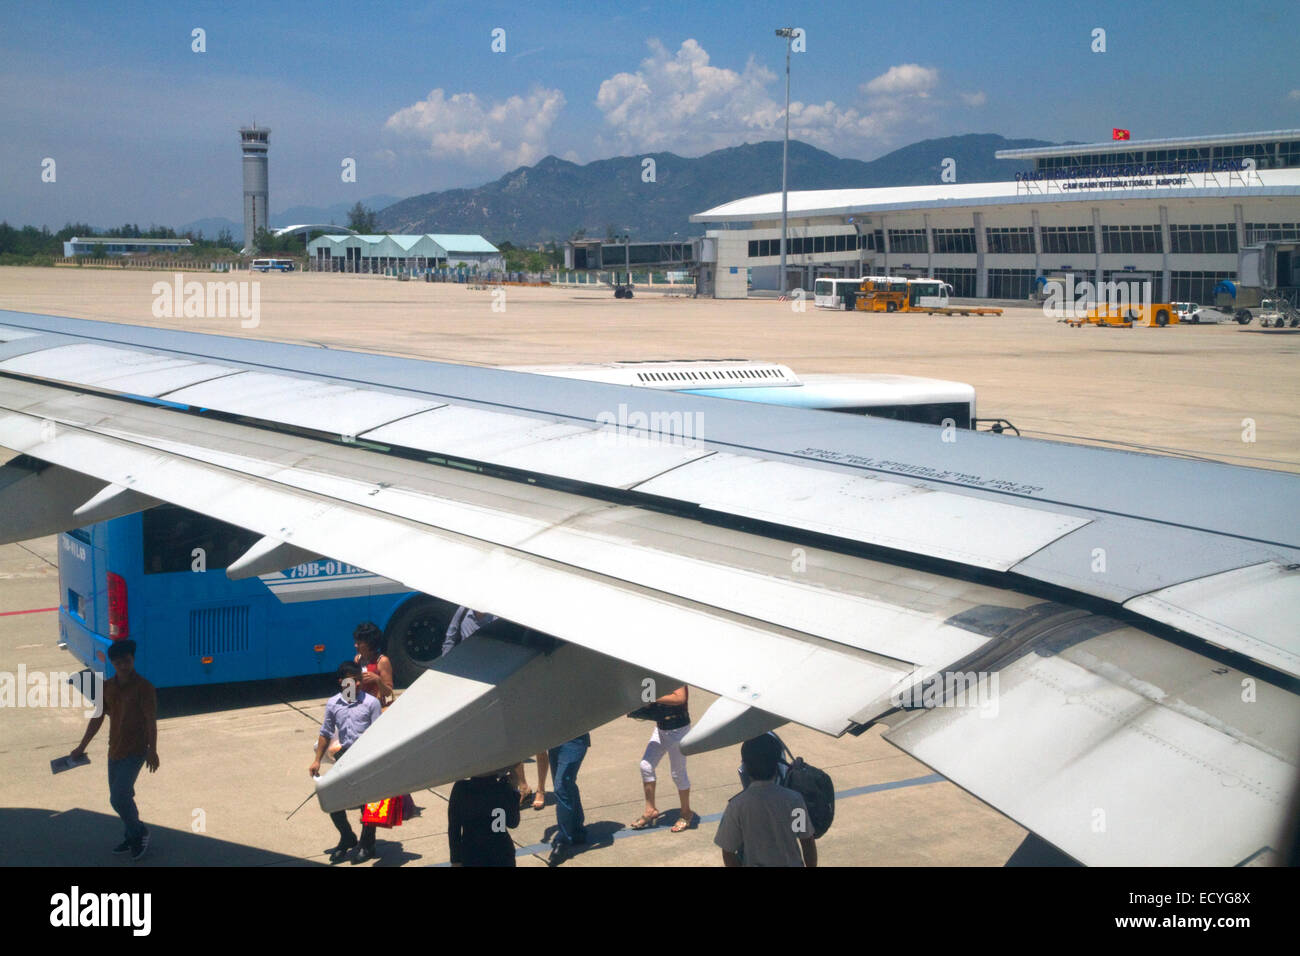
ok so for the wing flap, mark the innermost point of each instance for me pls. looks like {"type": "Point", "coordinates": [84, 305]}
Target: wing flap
{"type": "Point", "coordinates": [1251, 610]}
{"type": "Point", "coordinates": [915, 518]}
{"type": "Point", "coordinates": [1088, 742]}
{"type": "Point", "coordinates": [611, 456]}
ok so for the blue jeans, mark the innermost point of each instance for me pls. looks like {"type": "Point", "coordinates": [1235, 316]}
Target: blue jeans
{"type": "Point", "coordinates": [121, 794]}
{"type": "Point", "coordinates": [565, 761]}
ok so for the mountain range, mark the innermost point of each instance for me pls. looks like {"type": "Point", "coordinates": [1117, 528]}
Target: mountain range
{"type": "Point", "coordinates": [554, 198]}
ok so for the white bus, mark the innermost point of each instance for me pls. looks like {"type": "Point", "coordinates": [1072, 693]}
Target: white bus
{"type": "Point", "coordinates": [927, 292]}
{"type": "Point", "coordinates": [906, 398]}
{"type": "Point", "coordinates": [830, 293]}
{"type": "Point", "coordinates": [273, 265]}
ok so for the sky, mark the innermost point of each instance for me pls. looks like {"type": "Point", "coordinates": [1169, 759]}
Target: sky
{"type": "Point", "coordinates": [142, 126]}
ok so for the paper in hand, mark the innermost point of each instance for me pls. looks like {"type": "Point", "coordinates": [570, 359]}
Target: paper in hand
{"type": "Point", "coordinates": [60, 764]}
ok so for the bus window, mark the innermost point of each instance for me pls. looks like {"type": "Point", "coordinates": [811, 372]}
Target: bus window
{"type": "Point", "coordinates": [929, 414]}
{"type": "Point", "coordinates": [920, 290]}
{"type": "Point", "coordinates": [172, 534]}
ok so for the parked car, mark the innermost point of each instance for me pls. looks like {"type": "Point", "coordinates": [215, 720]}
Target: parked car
{"type": "Point", "coordinates": [1203, 314]}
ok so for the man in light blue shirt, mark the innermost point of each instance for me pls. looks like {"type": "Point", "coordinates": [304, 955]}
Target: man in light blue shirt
{"type": "Point", "coordinates": [348, 713]}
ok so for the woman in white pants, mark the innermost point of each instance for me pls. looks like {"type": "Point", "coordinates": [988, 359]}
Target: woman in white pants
{"type": "Point", "coordinates": [671, 725]}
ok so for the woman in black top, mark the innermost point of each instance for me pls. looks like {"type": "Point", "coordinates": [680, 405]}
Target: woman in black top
{"type": "Point", "coordinates": [672, 722]}
{"type": "Point", "coordinates": [480, 813]}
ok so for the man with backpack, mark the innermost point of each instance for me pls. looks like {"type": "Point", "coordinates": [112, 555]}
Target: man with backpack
{"type": "Point", "coordinates": [769, 821]}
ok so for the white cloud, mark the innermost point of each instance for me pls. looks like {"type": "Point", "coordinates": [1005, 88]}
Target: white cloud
{"type": "Point", "coordinates": [496, 134]}
{"type": "Point", "coordinates": [906, 79]}
{"type": "Point", "coordinates": [1293, 95]}
{"type": "Point", "coordinates": [978, 98]}
{"type": "Point", "coordinates": [680, 101]}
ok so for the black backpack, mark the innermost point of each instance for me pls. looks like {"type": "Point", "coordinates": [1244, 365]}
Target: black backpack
{"type": "Point", "coordinates": [817, 790]}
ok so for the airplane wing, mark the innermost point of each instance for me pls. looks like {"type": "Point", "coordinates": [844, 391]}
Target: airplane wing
{"type": "Point", "coordinates": [1124, 627]}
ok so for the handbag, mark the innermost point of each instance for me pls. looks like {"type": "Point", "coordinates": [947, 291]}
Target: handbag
{"type": "Point", "coordinates": [384, 813]}
{"type": "Point", "coordinates": [652, 711]}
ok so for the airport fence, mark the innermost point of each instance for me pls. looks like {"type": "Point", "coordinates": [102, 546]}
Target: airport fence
{"type": "Point", "coordinates": [162, 265]}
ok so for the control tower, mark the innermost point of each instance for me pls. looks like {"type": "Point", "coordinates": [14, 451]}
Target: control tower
{"type": "Point", "coordinates": [253, 140]}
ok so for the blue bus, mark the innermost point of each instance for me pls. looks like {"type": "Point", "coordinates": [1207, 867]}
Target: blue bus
{"type": "Point", "coordinates": [158, 577]}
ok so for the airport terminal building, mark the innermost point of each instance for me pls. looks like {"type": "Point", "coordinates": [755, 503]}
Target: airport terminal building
{"type": "Point", "coordinates": [1175, 211]}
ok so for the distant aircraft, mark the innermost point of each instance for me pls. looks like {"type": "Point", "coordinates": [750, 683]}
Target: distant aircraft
{"type": "Point", "coordinates": [1102, 645]}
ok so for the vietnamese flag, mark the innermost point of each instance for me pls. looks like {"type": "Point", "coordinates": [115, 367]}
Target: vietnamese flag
{"type": "Point", "coordinates": [1118, 133]}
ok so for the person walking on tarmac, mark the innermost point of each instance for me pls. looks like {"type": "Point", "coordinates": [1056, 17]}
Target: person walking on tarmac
{"type": "Point", "coordinates": [349, 713]}
{"type": "Point", "coordinates": [131, 706]}
{"type": "Point", "coordinates": [672, 723]}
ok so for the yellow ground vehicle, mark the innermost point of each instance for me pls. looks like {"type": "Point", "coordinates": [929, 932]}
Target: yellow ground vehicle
{"type": "Point", "coordinates": [881, 294]}
{"type": "Point", "coordinates": [896, 294]}
{"type": "Point", "coordinates": [1126, 316]}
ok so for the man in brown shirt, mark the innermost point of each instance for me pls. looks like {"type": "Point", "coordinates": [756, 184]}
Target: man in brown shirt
{"type": "Point", "coordinates": [131, 707]}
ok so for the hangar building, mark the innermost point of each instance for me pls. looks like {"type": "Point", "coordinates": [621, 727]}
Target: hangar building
{"type": "Point", "coordinates": [343, 253]}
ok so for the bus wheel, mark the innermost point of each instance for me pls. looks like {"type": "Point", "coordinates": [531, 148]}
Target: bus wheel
{"type": "Point", "coordinates": [890, 307]}
{"type": "Point", "coordinates": [1162, 317]}
{"type": "Point", "coordinates": [415, 635]}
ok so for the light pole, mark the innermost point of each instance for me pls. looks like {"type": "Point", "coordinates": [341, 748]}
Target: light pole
{"type": "Point", "coordinates": [788, 33]}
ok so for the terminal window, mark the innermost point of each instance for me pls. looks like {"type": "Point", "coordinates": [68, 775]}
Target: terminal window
{"type": "Point", "coordinates": [1089, 159]}
{"type": "Point", "coordinates": [1262, 153]}
{"type": "Point", "coordinates": [1068, 239]}
{"type": "Point", "coordinates": [1010, 239]}
{"type": "Point", "coordinates": [1191, 154]}
{"type": "Point", "coordinates": [1131, 239]}
{"type": "Point", "coordinates": [1215, 237]}
{"type": "Point", "coordinates": [1266, 231]}
{"type": "Point", "coordinates": [961, 280]}
{"type": "Point", "coordinates": [907, 240]}
{"type": "Point", "coordinates": [811, 245]}
{"type": "Point", "coordinates": [1196, 287]}
{"type": "Point", "coordinates": [954, 240]}
{"type": "Point", "coordinates": [1010, 283]}
{"type": "Point", "coordinates": [1128, 278]}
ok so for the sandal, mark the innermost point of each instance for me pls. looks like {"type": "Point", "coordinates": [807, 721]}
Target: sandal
{"type": "Point", "coordinates": [685, 824]}
{"type": "Point", "coordinates": [525, 797]}
{"type": "Point", "coordinates": [539, 801]}
{"type": "Point", "coordinates": [645, 821]}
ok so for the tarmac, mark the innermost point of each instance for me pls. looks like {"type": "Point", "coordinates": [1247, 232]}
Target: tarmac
{"type": "Point", "coordinates": [234, 759]}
